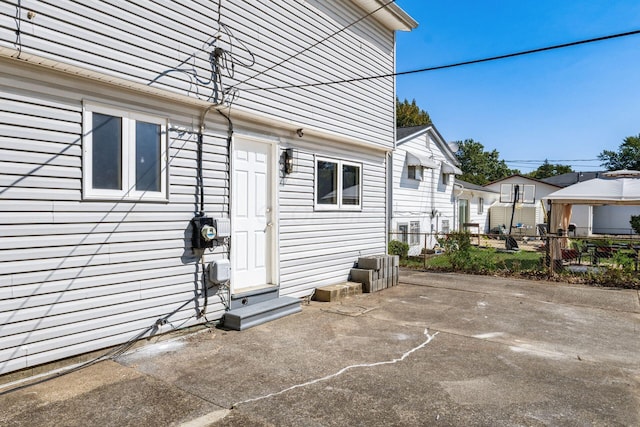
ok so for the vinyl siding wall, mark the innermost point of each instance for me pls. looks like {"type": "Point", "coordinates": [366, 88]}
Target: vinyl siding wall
{"type": "Point", "coordinates": [167, 44]}
{"type": "Point", "coordinates": [77, 276]}
{"type": "Point", "coordinates": [413, 200]}
{"type": "Point", "coordinates": [529, 214]}
{"type": "Point", "coordinates": [479, 218]}
{"type": "Point", "coordinates": [320, 247]}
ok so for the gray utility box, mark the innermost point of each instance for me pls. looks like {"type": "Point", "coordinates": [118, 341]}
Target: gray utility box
{"type": "Point", "coordinates": [220, 271]}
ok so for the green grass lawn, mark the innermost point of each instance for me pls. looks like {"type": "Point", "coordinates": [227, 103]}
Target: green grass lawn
{"type": "Point", "coordinates": [482, 259]}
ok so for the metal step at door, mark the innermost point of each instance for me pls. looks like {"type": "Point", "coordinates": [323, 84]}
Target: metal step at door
{"type": "Point", "coordinates": [252, 315]}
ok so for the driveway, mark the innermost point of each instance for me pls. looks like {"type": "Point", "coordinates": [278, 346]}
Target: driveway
{"type": "Point", "coordinates": [440, 349]}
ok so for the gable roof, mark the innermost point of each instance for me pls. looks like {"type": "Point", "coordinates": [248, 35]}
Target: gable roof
{"type": "Point", "coordinates": [404, 134]}
{"type": "Point", "coordinates": [469, 186]}
{"type": "Point", "coordinates": [523, 177]}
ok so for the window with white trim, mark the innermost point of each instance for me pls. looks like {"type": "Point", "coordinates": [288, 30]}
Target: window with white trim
{"type": "Point", "coordinates": [338, 184]}
{"type": "Point", "coordinates": [124, 155]}
{"type": "Point", "coordinates": [403, 232]}
{"type": "Point", "coordinates": [480, 205]}
{"type": "Point", "coordinates": [445, 179]}
{"type": "Point", "coordinates": [414, 237]}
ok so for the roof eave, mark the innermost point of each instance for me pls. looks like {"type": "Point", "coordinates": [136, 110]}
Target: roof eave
{"type": "Point", "coordinates": [391, 16]}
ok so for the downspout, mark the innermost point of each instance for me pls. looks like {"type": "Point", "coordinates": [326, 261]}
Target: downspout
{"type": "Point", "coordinates": [389, 158]}
{"type": "Point", "coordinates": [389, 210]}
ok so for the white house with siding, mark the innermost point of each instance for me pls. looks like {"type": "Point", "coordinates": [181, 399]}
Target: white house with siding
{"type": "Point", "coordinates": [422, 199]}
{"type": "Point", "coordinates": [120, 123]}
{"type": "Point", "coordinates": [473, 203]}
{"type": "Point", "coordinates": [529, 208]}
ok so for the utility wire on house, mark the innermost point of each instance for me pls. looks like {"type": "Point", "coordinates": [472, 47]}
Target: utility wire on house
{"type": "Point", "coordinates": [289, 58]}
{"type": "Point", "coordinates": [442, 67]}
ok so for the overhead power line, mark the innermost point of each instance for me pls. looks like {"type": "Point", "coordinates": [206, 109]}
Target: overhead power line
{"type": "Point", "coordinates": [335, 33]}
{"type": "Point", "coordinates": [550, 160]}
{"type": "Point", "coordinates": [441, 67]}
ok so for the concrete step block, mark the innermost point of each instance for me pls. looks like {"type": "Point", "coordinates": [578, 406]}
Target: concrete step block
{"type": "Point", "coordinates": [248, 316]}
{"type": "Point", "coordinates": [370, 262]}
{"type": "Point", "coordinates": [361, 275]}
{"type": "Point", "coordinates": [337, 292]}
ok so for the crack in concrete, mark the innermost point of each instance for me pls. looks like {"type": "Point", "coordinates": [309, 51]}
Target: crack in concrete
{"type": "Point", "coordinates": [342, 371]}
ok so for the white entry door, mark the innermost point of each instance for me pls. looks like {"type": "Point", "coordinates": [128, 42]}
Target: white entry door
{"type": "Point", "coordinates": [252, 206]}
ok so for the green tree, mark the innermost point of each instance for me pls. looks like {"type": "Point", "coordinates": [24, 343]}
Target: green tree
{"type": "Point", "coordinates": [479, 166]}
{"type": "Point", "coordinates": [409, 114]}
{"type": "Point", "coordinates": [627, 156]}
{"type": "Point", "coordinates": [547, 169]}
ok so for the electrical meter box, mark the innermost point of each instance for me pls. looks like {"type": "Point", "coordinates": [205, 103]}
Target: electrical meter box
{"type": "Point", "coordinates": [220, 271]}
{"type": "Point", "coordinates": [203, 232]}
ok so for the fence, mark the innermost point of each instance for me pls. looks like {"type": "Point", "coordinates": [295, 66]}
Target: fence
{"type": "Point", "coordinates": [565, 254]}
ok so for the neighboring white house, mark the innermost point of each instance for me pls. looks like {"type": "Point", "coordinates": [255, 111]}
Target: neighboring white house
{"type": "Point", "coordinates": [121, 124]}
{"type": "Point", "coordinates": [527, 212]}
{"type": "Point", "coordinates": [424, 169]}
{"type": "Point", "coordinates": [473, 205]}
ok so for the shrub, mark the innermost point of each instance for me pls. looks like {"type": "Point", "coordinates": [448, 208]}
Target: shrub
{"type": "Point", "coordinates": [396, 247]}
{"type": "Point", "coordinates": [457, 246]}
{"type": "Point", "coordinates": [635, 223]}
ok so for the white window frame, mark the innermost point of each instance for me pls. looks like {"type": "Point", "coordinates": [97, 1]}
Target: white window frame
{"type": "Point", "coordinates": [338, 205]}
{"type": "Point", "coordinates": [128, 148]}
{"type": "Point", "coordinates": [480, 205]}
{"type": "Point", "coordinates": [403, 232]}
{"type": "Point", "coordinates": [445, 179]}
{"type": "Point", "coordinates": [414, 172]}
{"type": "Point", "coordinates": [414, 232]}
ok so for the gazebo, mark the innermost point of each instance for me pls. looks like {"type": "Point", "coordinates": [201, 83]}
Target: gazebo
{"type": "Point", "coordinates": [619, 188]}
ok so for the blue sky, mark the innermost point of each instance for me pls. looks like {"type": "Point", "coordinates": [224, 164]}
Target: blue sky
{"type": "Point", "coordinates": [567, 104]}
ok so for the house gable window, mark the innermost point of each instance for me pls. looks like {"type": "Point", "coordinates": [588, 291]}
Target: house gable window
{"type": "Point", "coordinates": [526, 193]}
{"type": "Point", "coordinates": [338, 185]}
{"type": "Point", "coordinates": [480, 205]}
{"type": "Point", "coordinates": [124, 155]}
{"type": "Point", "coordinates": [414, 172]}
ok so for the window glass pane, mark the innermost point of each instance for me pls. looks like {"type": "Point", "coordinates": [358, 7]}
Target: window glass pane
{"type": "Point", "coordinates": [506, 193]}
{"type": "Point", "coordinates": [412, 172]}
{"type": "Point", "coordinates": [403, 230]}
{"type": "Point", "coordinates": [529, 195]}
{"type": "Point", "coordinates": [415, 232]}
{"type": "Point", "coordinates": [350, 185]}
{"type": "Point", "coordinates": [327, 185]}
{"type": "Point", "coordinates": [106, 140]}
{"type": "Point", "coordinates": [148, 152]}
